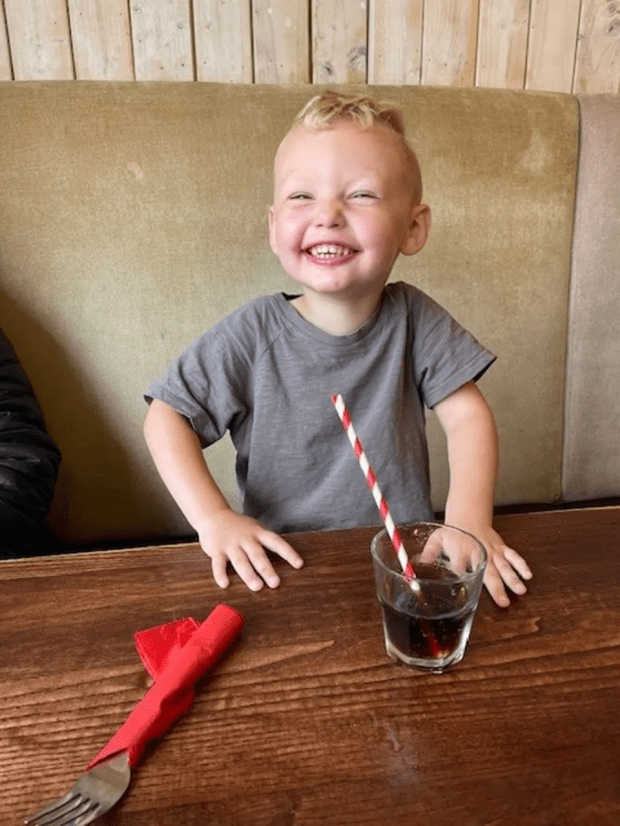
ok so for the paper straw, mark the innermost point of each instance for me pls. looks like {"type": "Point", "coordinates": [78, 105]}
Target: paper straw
{"type": "Point", "coordinates": [373, 485]}
{"type": "Point", "coordinates": [371, 481]}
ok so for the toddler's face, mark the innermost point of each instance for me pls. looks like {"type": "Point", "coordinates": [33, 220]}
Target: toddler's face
{"type": "Point", "coordinates": [344, 207]}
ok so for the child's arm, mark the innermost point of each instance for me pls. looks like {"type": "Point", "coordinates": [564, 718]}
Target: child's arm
{"type": "Point", "coordinates": [473, 455]}
{"type": "Point", "coordinates": [223, 534]}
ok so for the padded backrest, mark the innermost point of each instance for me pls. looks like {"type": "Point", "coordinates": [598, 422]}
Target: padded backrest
{"type": "Point", "coordinates": [133, 215]}
{"type": "Point", "coordinates": [592, 441]}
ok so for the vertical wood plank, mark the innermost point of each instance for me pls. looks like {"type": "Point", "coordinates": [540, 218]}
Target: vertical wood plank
{"type": "Point", "coordinates": [281, 41]}
{"type": "Point", "coordinates": [395, 41]}
{"type": "Point", "coordinates": [339, 39]}
{"type": "Point", "coordinates": [38, 32]}
{"type": "Point", "coordinates": [6, 73]}
{"type": "Point", "coordinates": [502, 43]}
{"type": "Point", "coordinates": [101, 37]}
{"type": "Point", "coordinates": [449, 42]}
{"type": "Point", "coordinates": [162, 39]}
{"type": "Point", "coordinates": [222, 29]}
{"type": "Point", "coordinates": [597, 66]}
{"type": "Point", "coordinates": [552, 45]}
{"type": "Point", "coordinates": [574, 45]}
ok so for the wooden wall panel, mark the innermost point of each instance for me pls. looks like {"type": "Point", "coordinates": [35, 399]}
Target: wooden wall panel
{"type": "Point", "coordinates": [281, 41]}
{"type": "Point", "coordinates": [449, 42]}
{"type": "Point", "coordinates": [597, 66]}
{"type": "Point", "coordinates": [6, 73]}
{"type": "Point", "coordinates": [339, 43]}
{"type": "Point", "coordinates": [162, 39]}
{"type": "Point", "coordinates": [549, 45]}
{"type": "Point", "coordinates": [552, 45]}
{"type": "Point", "coordinates": [222, 29]}
{"type": "Point", "coordinates": [395, 41]}
{"type": "Point", "coordinates": [39, 37]}
{"type": "Point", "coordinates": [502, 43]}
{"type": "Point", "coordinates": [101, 36]}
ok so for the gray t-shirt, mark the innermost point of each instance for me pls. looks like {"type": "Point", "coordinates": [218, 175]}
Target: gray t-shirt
{"type": "Point", "coordinates": [266, 375]}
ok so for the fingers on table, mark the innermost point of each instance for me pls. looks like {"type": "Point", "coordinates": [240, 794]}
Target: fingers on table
{"type": "Point", "coordinates": [219, 564]}
{"type": "Point", "coordinates": [518, 563]}
{"type": "Point", "coordinates": [501, 574]}
{"type": "Point", "coordinates": [251, 562]}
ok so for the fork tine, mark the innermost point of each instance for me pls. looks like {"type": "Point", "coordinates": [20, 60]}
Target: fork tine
{"type": "Point", "coordinates": [85, 813]}
{"type": "Point", "coordinates": [58, 813]}
{"type": "Point", "coordinates": [92, 795]}
{"type": "Point", "coordinates": [88, 817]}
{"type": "Point", "coordinates": [80, 809]}
{"type": "Point", "coordinates": [51, 807]}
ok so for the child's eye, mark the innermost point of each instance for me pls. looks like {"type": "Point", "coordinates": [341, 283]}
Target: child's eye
{"type": "Point", "coordinates": [363, 194]}
{"type": "Point", "coordinates": [300, 196]}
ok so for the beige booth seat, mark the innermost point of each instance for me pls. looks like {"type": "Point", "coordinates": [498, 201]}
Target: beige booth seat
{"type": "Point", "coordinates": [591, 467]}
{"type": "Point", "coordinates": [133, 215]}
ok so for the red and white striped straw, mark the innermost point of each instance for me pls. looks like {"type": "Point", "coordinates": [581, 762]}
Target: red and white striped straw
{"type": "Point", "coordinates": [373, 485]}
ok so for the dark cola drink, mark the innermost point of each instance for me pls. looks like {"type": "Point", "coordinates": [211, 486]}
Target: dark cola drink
{"type": "Point", "coordinates": [429, 625]}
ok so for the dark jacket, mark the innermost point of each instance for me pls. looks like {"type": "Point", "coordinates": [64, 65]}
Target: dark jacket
{"type": "Point", "coordinates": [29, 461]}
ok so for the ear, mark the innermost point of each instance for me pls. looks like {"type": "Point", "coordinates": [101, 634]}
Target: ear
{"type": "Point", "coordinates": [272, 231]}
{"type": "Point", "coordinates": [419, 228]}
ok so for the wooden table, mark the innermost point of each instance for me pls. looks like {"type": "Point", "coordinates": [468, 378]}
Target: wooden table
{"type": "Point", "coordinates": [306, 721]}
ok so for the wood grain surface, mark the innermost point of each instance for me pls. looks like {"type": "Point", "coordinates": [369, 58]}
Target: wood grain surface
{"type": "Point", "coordinates": [101, 39]}
{"type": "Point", "coordinates": [40, 39]}
{"type": "Point", "coordinates": [552, 45]}
{"type": "Point", "coordinates": [306, 721]}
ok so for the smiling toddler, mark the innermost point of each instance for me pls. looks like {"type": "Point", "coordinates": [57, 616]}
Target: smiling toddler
{"type": "Point", "coordinates": [347, 202]}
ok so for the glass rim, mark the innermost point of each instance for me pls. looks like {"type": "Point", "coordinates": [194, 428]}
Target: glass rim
{"type": "Point", "coordinates": [399, 573]}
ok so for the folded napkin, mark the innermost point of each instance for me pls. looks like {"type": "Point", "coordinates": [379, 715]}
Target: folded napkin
{"type": "Point", "coordinates": [175, 655]}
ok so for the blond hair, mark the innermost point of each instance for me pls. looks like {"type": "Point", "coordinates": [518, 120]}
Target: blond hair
{"type": "Point", "coordinates": [323, 110]}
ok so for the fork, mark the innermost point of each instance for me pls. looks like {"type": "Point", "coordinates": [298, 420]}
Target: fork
{"type": "Point", "coordinates": [90, 797]}
{"type": "Point", "coordinates": [170, 696]}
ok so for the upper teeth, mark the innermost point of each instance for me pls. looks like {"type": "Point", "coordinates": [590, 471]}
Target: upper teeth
{"type": "Point", "coordinates": [329, 249]}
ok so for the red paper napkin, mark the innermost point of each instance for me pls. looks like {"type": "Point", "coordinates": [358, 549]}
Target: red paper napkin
{"type": "Point", "coordinates": [176, 655]}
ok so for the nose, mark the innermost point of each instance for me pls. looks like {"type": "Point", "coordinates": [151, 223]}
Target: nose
{"type": "Point", "coordinates": [329, 213]}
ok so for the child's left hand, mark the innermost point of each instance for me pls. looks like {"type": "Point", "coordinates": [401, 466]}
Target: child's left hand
{"type": "Point", "coordinates": [505, 568]}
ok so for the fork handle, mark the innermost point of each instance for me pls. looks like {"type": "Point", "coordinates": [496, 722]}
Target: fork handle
{"type": "Point", "coordinates": [172, 694]}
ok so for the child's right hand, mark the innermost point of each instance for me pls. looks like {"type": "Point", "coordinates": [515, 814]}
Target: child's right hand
{"type": "Point", "coordinates": [242, 541]}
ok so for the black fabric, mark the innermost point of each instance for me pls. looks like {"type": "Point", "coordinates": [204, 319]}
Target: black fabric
{"type": "Point", "coordinates": [29, 462]}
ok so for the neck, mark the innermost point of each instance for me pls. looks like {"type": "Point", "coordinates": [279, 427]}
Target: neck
{"type": "Point", "coordinates": [334, 315]}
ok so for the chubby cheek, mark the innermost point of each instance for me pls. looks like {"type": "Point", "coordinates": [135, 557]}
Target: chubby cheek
{"type": "Point", "coordinates": [286, 236]}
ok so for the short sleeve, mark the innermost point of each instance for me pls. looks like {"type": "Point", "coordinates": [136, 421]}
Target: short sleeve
{"type": "Point", "coordinates": [445, 356]}
{"type": "Point", "coordinates": [210, 383]}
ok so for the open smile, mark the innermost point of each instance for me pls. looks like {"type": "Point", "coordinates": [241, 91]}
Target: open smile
{"type": "Point", "coordinates": [329, 253]}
